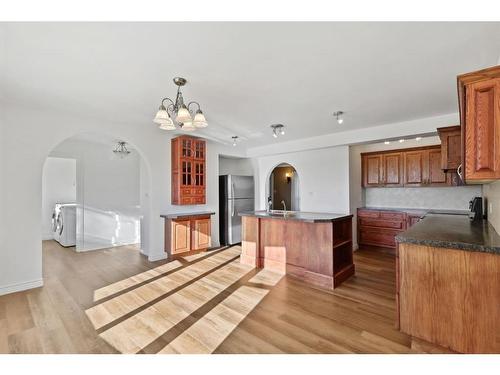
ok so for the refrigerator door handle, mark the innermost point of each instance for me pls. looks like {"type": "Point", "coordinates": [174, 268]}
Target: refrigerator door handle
{"type": "Point", "coordinates": [232, 207]}
{"type": "Point", "coordinates": [232, 190]}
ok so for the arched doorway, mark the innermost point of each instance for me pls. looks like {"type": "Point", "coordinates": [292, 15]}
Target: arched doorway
{"type": "Point", "coordinates": [283, 188]}
{"type": "Point", "coordinates": [95, 194]}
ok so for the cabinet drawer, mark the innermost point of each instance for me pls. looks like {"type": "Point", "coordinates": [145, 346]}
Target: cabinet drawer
{"type": "Point", "coordinates": [186, 200]}
{"type": "Point", "coordinates": [392, 215]}
{"type": "Point", "coordinates": [185, 191]}
{"type": "Point", "coordinates": [369, 213]}
{"type": "Point", "coordinates": [199, 191]}
{"type": "Point", "coordinates": [199, 200]}
{"type": "Point", "coordinates": [378, 236]}
{"type": "Point", "coordinates": [391, 224]}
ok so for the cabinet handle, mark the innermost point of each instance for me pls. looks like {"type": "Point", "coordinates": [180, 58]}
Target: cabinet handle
{"type": "Point", "coordinates": [459, 172]}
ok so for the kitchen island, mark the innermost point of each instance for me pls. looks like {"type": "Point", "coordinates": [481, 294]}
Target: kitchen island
{"type": "Point", "coordinates": [315, 247]}
{"type": "Point", "coordinates": [448, 283]}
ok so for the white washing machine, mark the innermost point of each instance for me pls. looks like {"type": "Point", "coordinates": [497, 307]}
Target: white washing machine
{"type": "Point", "coordinates": [64, 223]}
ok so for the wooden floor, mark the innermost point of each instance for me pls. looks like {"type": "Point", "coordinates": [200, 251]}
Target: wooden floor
{"type": "Point", "coordinates": [115, 301]}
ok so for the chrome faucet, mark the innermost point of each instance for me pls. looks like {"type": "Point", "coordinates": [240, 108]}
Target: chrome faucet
{"type": "Point", "coordinates": [284, 205]}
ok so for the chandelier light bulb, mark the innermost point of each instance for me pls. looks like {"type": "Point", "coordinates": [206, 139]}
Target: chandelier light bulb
{"type": "Point", "coordinates": [199, 120]}
{"type": "Point", "coordinates": [162, 116]}
{"type": "Point", "coordinates": [183, 116]}
{"type": "Point", "coordinates": [188, 126]}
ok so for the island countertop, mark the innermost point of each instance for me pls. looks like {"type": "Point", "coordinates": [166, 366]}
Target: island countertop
{"type": "Point", "coordinates": [309, 217]}
{"type": "Point", "coordinates": [176, 215]}
{"type": "Point", "coordinates": [453, 232]}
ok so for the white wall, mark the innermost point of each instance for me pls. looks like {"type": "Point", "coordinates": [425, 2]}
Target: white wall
{"type": "Point", "coordinates": [235, 166]}
{"type": "Point", "coordinates": [323, 178]}
{"type": "Point", "coordinates": [492, 195]}
{"type": "Point", "coordinates": [40, 131]}
{"type": "Point", "coordinates": [58, 186]}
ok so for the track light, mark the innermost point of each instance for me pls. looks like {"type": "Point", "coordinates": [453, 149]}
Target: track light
{"type": "Point", "coordinates": [278, 129]}
{"type": "Point", "coordinates": [401, 140]}
{"type": "Point", "coordinates": [235, 140]}
{"type": "Point", "coordinates": [387, 143]}
{"type": "Point", "coordinates": [418, 139]}
{"type": "Point", "coordinates": [339, 117]}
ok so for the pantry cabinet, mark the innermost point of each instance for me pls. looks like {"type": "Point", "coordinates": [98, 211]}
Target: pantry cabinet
{"type": "Point", "coordinates": [188, 171]}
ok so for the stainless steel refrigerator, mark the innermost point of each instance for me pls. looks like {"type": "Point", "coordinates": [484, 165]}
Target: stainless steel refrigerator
{"type": "Point", "coordinates": [236, 194]}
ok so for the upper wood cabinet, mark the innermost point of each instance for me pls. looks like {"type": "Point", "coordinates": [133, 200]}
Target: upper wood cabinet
{"type": "Point", "coordinates": [408, 167]}
{"type": "Point", "coordinates": [382, 169]}
{"type": "Point", "coordinates": [188, 170]}
{"type": "Point", "coordinates": [451, 147]}
{"type": "Point", "coordinates": [479, 99]}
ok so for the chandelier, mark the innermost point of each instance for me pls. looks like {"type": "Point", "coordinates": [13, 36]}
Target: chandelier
{"type": "Point", "coordinates": [177, 114]}
{"type": "Point", "coordinates": [121, 149]}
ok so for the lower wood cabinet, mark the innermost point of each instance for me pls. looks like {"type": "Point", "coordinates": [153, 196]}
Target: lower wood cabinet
{"type": "Point", "coordinates": [187, 233]}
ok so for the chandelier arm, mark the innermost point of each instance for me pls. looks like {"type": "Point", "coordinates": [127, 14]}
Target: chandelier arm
{"type": "Point", "coordinates": [193, 102]}
{"type": "Point", "coordinates": [171, 109]}
{"type": "Point", "coordinates": [170, 100]}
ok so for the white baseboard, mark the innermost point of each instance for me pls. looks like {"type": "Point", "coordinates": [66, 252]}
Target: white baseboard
{"type": "Point", "coordinates": [47, 236]}
{"type": "Point", "coordinates": [156, 257]}
{"type": "Point", "coordinates": [355, 247]}
{"type": "Point", "coordinates": [7, 289]}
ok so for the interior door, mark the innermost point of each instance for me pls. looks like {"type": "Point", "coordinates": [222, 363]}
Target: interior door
{"type": "Point", "coordinates": [236, 206]}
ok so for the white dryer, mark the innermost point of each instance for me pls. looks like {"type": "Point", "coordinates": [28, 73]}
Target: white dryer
{"type": "Point", "coordinates": [64, 223]}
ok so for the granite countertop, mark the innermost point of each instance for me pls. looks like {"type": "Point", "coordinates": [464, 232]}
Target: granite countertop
{"type": "Point", "coordinates": [453, 232]}
{"type": "Point", "coordinates": [419, 211]}
{"type": "Point", "coordinates": [176, 215]}
{"type": "Point", "coordinates": [309, 217]}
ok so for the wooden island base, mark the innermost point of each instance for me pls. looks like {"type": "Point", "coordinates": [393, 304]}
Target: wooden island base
{"type": "Point", "coordinates": [319, 253]}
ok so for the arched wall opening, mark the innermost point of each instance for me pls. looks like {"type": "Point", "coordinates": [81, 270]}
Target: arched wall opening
{"type": "Point", "coordinates": [110, 192]}
{"type": "Point", "coordinates": [282, 188]}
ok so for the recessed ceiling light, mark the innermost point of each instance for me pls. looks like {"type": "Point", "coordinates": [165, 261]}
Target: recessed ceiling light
{"type": "Point", "coordinates": [418, 139]}
{"type": "Point", "coordinates": [387, 143]}
{"type": "Point", "coordinates": [401, 140]}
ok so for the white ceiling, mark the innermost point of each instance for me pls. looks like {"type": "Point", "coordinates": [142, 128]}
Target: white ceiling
{"type": "Point", "coordinates": [247, 75]}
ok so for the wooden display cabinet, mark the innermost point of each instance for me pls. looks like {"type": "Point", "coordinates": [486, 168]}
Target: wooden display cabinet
{"type": "Point", "coordinates": [188, 170]}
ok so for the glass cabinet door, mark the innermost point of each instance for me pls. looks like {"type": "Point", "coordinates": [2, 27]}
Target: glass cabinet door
{"type": "Point", "coordinates": [186, 173]}
{"type": "Point", "coordinates": [187, 148]}
{"type": "Point", "coordinates": [199, 174]}
{"type": "Point", "coordinates": [199, 150]}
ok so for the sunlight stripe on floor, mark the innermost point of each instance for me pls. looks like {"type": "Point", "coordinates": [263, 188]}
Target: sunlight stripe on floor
{"type": "Point", "coordinates": [140, 330]}
{"type": "Point", "coordinates": [117, 287]}
{"type": "Point", "coordinates": [267, 277]}
{"type": "Point", "coordinates": [110, 310]}
{"type": "Point", "coordinates": [204, 336]}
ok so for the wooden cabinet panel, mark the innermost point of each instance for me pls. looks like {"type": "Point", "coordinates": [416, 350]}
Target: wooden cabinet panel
{"type": "Point", "coordinates": [181, 236]}
{"type": "Point", "coordinates": [393, 169]}
{"type": "Point", "coordinates": [451, 147]}
{"type": "Point", "coordinates": [372, 171]}
{"type": "Point", "coordinates": [414, 168]}
{"type": "Point", "coordinates": [188, 171]}
{"type": "Point", "coordinates": [201, 234]}
{"type": "Point", "coordinates": [379, 228]}
{"type": "Point", "coordinates": [413, 219]}
{"type": "Point", "coordinates": [435, 175]}
{"type": "Point", "coordinates": [482, 131]}
{"type": "Point", "coordinates": [378, 236]}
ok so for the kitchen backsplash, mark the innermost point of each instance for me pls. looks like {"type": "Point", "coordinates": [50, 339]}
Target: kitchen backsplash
{"type": "Point", "coordinates": [453, 198]}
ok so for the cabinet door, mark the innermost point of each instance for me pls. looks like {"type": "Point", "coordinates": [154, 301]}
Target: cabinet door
{"type": "Point", "coordinates": [393, 169]}
{"type": "Point", "coordinates": [199, 150]}
{"type": "Point", "coordinates": [482, 131]}
{"type": "Point", "coordinates": [181, 236]}
{"type": "Point", "coordinates": [201, 234]}
{"type": "Point", "coordinates": [451, 147]}
{"type": "Point", "coordinates": [435, 175]}
{"type": "Point", "coordinates": [414, 168]}
{"type": "Point", "coordinates": [372, 170]}
{"type": "Point", "coordinates": [186, 173]}
{"type": "Point", "coordinates": [186, 147]}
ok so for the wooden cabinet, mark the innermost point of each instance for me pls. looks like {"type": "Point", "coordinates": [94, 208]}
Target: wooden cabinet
{"type": "Point", "coordinates": [188, 232]}
{"type": "Point", "coordinates": [379, 227]}
{"type": "Point", "coordinates": [408, 167]}
{"type": "Point", "coordinates": [451, 147]}
{"type": "Point", "coordinates": [479, 99]}
{"type": "Point", "coordinates": [188, 171]}
{"type": "Point", "coordinates": [412, 219]}
{"type": "Point", "coordinates": [383, 170]}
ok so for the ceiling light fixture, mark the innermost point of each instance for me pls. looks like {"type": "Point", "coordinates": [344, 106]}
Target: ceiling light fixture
{"type": "Point", "coordinates": [121, 149]}
{"type": "Point", "coordinates": [387, 143]}
{"type": "Point", "coordinates": [177, 113]}
{"type": "Point", "coordinates": [235, 140]}
{"type": "Point", "coordinates": [401, 140]}
{"type": "Point", "coordinates": [418, 139]}
{"type": "Point", "coordinates": [339, 117]}
{"type": "Point", "coordinates": [278, 129]}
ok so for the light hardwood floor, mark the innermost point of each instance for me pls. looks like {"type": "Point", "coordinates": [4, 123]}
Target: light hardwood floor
{"type": "Point", "coordinates": [115, 301]}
